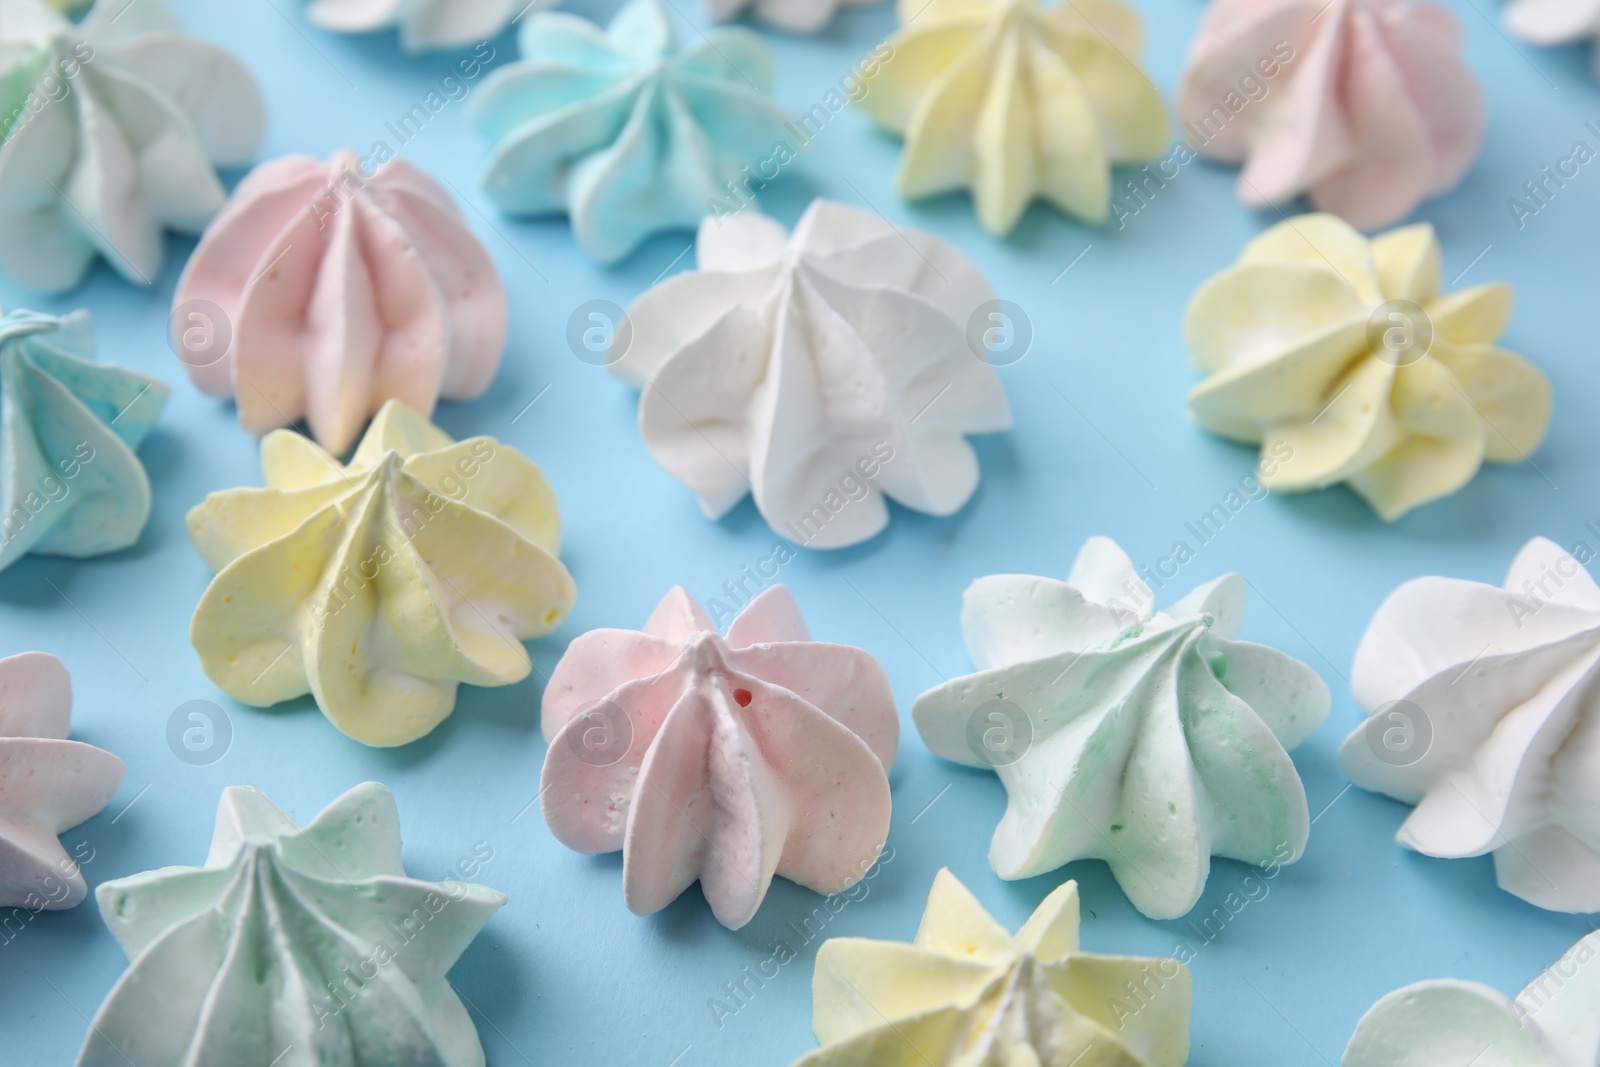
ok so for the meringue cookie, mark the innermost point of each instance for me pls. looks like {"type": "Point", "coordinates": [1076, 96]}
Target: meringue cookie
{"type": "Point", "coordinates": [48, 784]}
{"type": "Point", "coordinates": [1443, 1023]}
{"type": "Point", "coordinates": [1017, 99]}
{"type": "Point", "coordinates": [967, 992]}
{"type": "Point", "coordinates": [423, 24]}
{"type": "Point", "coordinates": [1151, 740]}
{"type": "Point", "coordinates": [341, 291]}
{"type": "Point", "coordinates": [117, 140]}
{"type": "Point", "coordinates": [722, 760]}
{"type": "Point", "coordinates": [72, 485]}
{"type": "Point", "coordinates": [793, 16]}
{"type": "Point", "coordinates": [1373, 112]}
{"type": "Point", "coordinates": [1507, 761]}
{"type": "Point", "coordinates": [622, 131]}
{"type": "Point", "coordinates": [380, 586]}
{"type": "Point", "coordinates": [1344, 361]}
{"type": "Point", "coordinates": [788, 367]}
{"type": "Point", "coordinates": [1548, 22]}
{"type": "Point", "coordinates": [311, 944]}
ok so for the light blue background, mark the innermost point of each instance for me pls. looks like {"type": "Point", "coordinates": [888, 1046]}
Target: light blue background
{"type": "Point", "coordinates": [564, 974]}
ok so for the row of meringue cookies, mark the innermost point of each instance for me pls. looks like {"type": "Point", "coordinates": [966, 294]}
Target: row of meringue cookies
{"type": "Point", "coordinates": [1174, 751]}
{"type": "Point", "coordinates": [1365, 112]}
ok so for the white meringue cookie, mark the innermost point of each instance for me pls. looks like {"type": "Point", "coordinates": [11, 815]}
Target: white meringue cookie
{"type": "Point", "coordinates": [1486, 716]}
{"type": "Point", "coordinates": [726, 760]}
{"type": "Point", "coordinates": [794, 16]}
{"type": "Point", "coordinates": [1555, 1022]}
{"type": "Point", "coordinates": [789, 363]}
{"type": "Point", "coordinates": [1550, 22]}
{"type": "Point", "coordinates": [342, 290]}
{"type": "Point", "coordinates": [48, 784]}
{"type": "Point", "coordinates": [292, 946]}
{"type": "Point", "coordinates": [117, 140]}
{"type": "Point", "coordinates": [1151, 740]}
{"type": "Point", "coordinates": [423, 24]}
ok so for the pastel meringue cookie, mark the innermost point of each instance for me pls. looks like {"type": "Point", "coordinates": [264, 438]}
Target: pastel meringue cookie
{"type": "Point", "coordinates": [309, 943]}
{"type": "Point", "coordinates": [1372, 112]}
{"type": "Point", "coordinates": [113, 128]}
{"type": "Point", "coordinates": [1445, 1022]}
{"type": "Point", "coordinates": [339, 291]}
{"type": "Point", "coordinates": [1554, 22]}
{"type": "Point", "coordinates": [723, 760]}
{"type": "Point", "coordinates": [623, 131]}
{"type": "Point", "coordinates": [48, 784]}
{"type": "Point", "coordinates": [821, 372]}
{"type": "Point", "coordinates": [380, 586]}
{"type": "Point", "coordinates": [1152, 740]}
{"type": "Point", "coordinates": [966, 991]}
{"type": "Point", "coordinates": [1485, 715]}
{"type": "Point", "coordinates": [1343, 359]}
{"type": "Point", "coordinates": [1017, 100]}
{"type": "Point", "coordinates": [423, 24]}
{"type": "Point", "coordinates": [70, 483]}
{"type": "Point", "coordinates": [793, 16]}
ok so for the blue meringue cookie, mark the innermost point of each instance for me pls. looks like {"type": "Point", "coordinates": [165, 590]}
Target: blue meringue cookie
{"type": "Point", "coordinates": [623, 132]}
{"type": "Point", "coordinates": [70, 484]}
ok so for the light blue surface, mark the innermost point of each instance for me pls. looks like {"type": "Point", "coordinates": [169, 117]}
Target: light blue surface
{"type": "Point", "coordinates": [565, 975]}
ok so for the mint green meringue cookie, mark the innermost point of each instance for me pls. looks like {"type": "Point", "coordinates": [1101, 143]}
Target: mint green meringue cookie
{"type": "Point", "coordinates": [70, 484]}
{"type": "Point", "coordinates": [1150, 739]}
{"type": "Point", "coordinates": [310, 945]}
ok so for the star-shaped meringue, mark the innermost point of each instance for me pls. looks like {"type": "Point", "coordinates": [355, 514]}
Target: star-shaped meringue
{"type": "Point", "coordinates": [1486, 716]}
{"type": "Point", "coordinates": [1017, 99]}
{"type": "Point", "coordinates": [1343, 359]}
{"type": "Point", "coordinates": [382, 585]}
{"type": "Point", "coordinates": [48, 784]}
{"type": "Point", "coordinates": [1152, 740]}
{"type": "Point", "coordinates": [310, 944]}
{"type": "Point", "coordinates": [725, 760]}
{"type": "Point", "coordinates": [965, 993]}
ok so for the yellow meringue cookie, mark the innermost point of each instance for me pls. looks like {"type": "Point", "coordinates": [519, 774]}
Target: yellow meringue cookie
{"type": "Point", "coordinates": [380, 586]}
{"type": "Point", "coordinates": [965, 993]}
{"type": "Point", "coordinates": [1016, 99]}
{"type": "Point", "coordinates": [1344, 361]}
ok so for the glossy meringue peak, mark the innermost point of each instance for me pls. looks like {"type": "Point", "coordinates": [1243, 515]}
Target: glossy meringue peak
{"type": "Point", "coordinates": [379, 586]}
{"type": "Point", "coordinates": [723, 760]}
{"type": "Point", "coordinates": [623, 131]}
{"type": "Point", "coordinates": [70, 483]}
{"type": "Point", "coordinates": [424, 25]}
{"type": "Point", "coordinates": [1448, 1022]}
{"type": "Point", "coordinates": [121, 120]}
{"type": "Point", "coordinates": [1346, 362]}
{"type": "Point", "coordinates": [1152, 740]}
{"type": "Point", "coordinates": [48, 785]}
{"type": "Point", "coordinates": [339, 291]}
{"type": "Point", "coordinates": [1373, 112]}
{"type": "Point", "coordinates": [967, 992]}
{"type": "Point", "coordinates": [822, 372]}
{"type": "Point", "coordinates": [1485, 706]}
{"type": "Point", "coordinates": [1553, 22]}
{"type": "Point", "coordinates": [308, 943]}
{"type": "Point", "coordinates": [1017, 100]}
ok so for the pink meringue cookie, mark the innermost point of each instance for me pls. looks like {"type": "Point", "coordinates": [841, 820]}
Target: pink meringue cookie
{"type": "Point", "coordinates": [1364, 106]}
{"type": "Point", "coordinates": [726, 760]}
{"type": "Point", "coordinates": [48, 784]}
{"type": "Point", "coordinates": [339, 291]}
